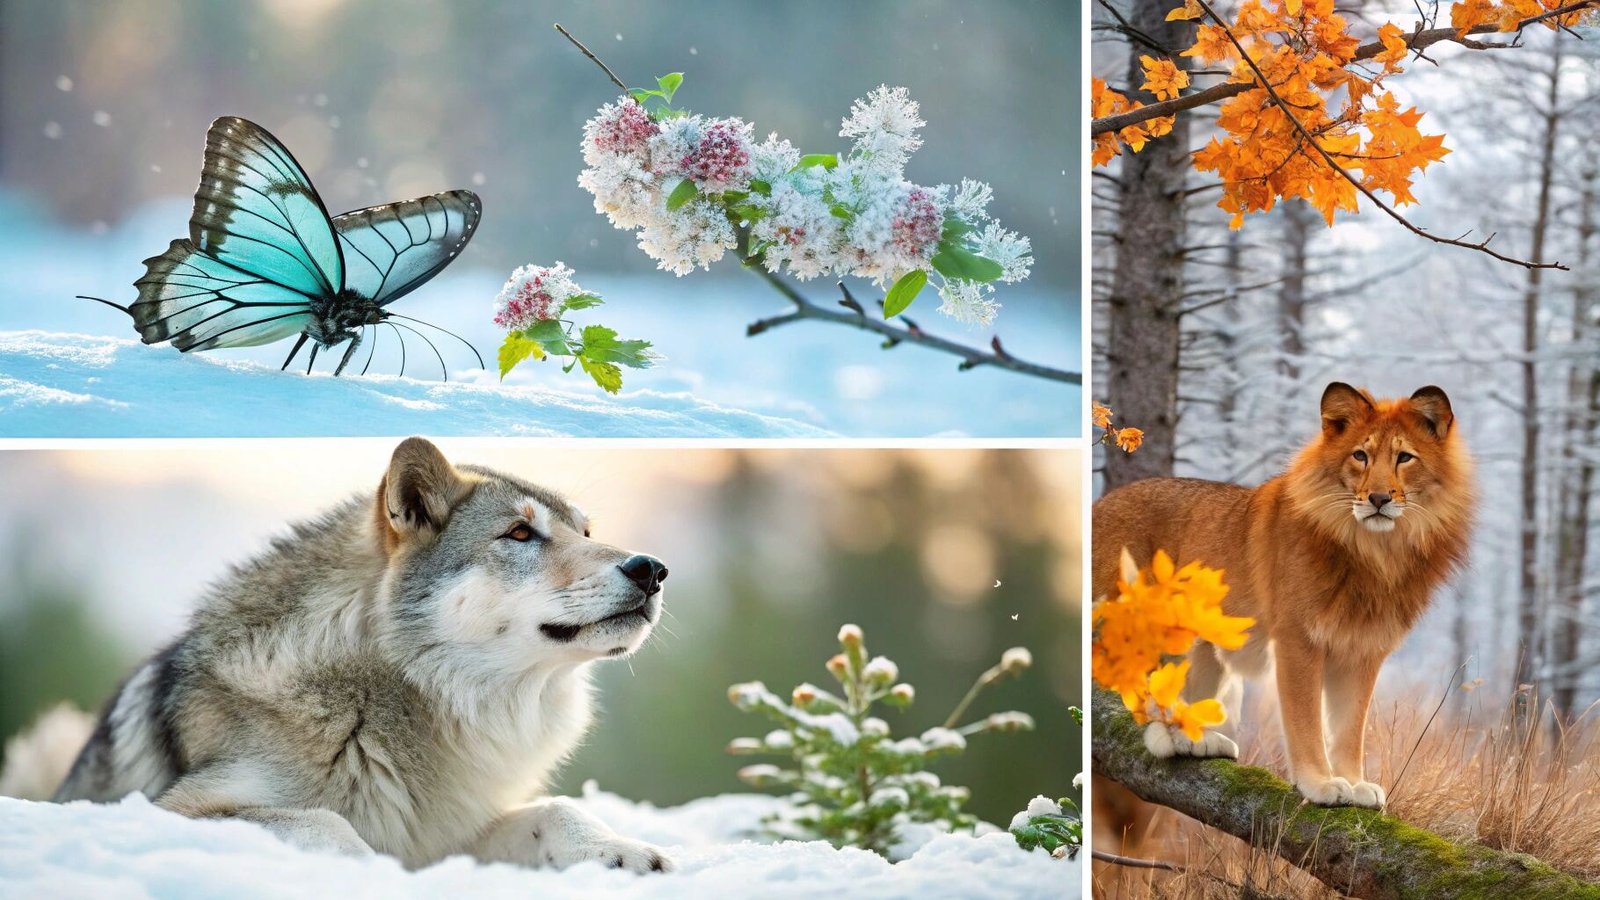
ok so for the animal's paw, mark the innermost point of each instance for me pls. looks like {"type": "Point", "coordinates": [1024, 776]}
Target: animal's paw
{"type": "Point", "coordinates": [614, 851]}
{"type": "Point", "coordinates": [1166, 741]}
{"type": "Point", "coordinates": [1340, 792]}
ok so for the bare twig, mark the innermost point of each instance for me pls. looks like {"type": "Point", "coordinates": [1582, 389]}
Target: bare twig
{"type": "Point", "coordinates": [894, 335]}
{"type": "Point", "coordinates": [1305, 134]}
{"type": "Point", "coordinates": [1216, 93]}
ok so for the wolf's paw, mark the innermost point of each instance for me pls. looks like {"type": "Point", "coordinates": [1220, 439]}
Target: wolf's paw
{"type": "Point", "coordinates": [1340, 792]}
{"type": "Point", "coordinates": [616, 852]}
{"type": "Point", "coordinates": [1166, 741]}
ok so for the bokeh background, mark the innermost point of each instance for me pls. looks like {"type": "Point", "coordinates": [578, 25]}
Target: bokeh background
{"type": "Point", "coordinates": [105, 107]}
{"type": "Point", "coordinates": [104, 553]}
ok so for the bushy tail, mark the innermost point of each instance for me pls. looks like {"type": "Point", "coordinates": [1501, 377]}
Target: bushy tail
{"type": "Point", "coordinates": [38, 759]}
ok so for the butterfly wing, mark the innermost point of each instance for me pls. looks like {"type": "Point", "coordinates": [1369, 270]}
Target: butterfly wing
{"type": "Point", "coordinates": [200, 302]}
{"type": "Point", "coordinates": [391, 250]}
{"type": "Point", "coordinates": [256, 211]}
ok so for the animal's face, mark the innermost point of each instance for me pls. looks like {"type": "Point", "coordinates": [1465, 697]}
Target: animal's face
{"type": "Point", "coordinates": [1384, 460]}
{"type": "Point", "coordinates": [510, 574]}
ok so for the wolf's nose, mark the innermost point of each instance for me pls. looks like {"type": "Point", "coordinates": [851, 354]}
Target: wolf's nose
{"type": "Point", "coordinates": [1378, 501]}
{"type": "Point", "coordinates": [645, 571]}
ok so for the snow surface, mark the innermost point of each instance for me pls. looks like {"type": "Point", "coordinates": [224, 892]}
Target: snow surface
{"type": "Point", "coordinates": [132, 849]}
{"type": "Point", "coordinates": [76, 385]}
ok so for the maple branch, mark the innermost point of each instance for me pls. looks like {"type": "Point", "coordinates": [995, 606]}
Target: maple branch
{"type": "Point", "coordinates": [1416, 41]}
{"type": "Point", "coordinates": [894, 335]}
{"type": "Point", "coordinates": [1272, 92]}
{"type": "Point", "coordinates": [910, 333]}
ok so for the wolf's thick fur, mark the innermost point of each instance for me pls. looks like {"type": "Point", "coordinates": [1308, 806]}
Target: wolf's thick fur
{"type": "Point", "coordinates": [1335, 559]}
{"type": "Point", "coordinates": [403, 674]}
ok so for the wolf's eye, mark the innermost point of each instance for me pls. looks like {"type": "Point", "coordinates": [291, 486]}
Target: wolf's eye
{"type": "Point", "coordinates": [1361, 456]}
{"type": "Point", "coordinates": [519, 532]}
{"type": "Point", "coordinates": [1404, 457]}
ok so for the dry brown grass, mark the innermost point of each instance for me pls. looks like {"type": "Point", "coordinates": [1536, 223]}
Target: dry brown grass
{"type": "Point", "coordinates": [1448, 767]}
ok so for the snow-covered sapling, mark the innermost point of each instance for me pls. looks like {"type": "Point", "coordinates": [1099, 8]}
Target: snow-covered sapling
{"type": "Point", "coordinates": [696, 187]}
{"type": "Point", "coordinates": [852, 782]}
{"type": "Point", "coordinates": [1053, 825]}
{"type": "Point", "coordinates": [531, 308]}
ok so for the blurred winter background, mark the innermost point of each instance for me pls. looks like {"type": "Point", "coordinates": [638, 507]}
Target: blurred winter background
{"type": "Point", "coordinates": [103, 554]}
{"type": "Point", "coordinates": [105, 107]}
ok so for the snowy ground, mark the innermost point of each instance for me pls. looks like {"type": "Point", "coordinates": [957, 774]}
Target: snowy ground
{"type": "Point", "coordinates": [714, 381]}
{"type": "Point", "coordinates": [132, 849]}
{"type": "Point", "coordinates": [73, 385]}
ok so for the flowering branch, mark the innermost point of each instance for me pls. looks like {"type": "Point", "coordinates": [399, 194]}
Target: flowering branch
{"type": "Point", "coordinates": [695, 188]}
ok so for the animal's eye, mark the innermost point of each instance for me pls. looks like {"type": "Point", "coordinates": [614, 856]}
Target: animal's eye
{"type": "Point", "coordinates": [1361, 456]}
{"type": "Point", "coordinates": [1404, 457]}
{"type": "Point", "coordinates": [586, 531]}
{"type": "Point", "coordinates": [519, 532]}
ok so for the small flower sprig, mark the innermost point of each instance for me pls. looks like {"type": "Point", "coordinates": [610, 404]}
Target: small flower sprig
{"type": "Point", "coordinates": [1128, 439]}
{"type": "Point", "coordinates": [532, 307]}
{"type": "Point", "coordinates": [852, 783]}
{"type": "Point", "coordinates": [696, 187]}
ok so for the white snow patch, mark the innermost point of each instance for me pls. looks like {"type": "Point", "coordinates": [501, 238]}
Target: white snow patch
{"type": "Point", "coordinates": [133, 849]}
{"type": "Point", "coordinates": [118, 387]}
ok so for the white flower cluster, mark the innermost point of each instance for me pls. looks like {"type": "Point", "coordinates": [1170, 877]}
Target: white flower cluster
{"type": "Point", "coordinates": [857, 215]}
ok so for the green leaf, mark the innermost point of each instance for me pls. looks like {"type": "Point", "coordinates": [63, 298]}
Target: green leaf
{"type": "Point", "coordinates": [544, 330]}
{"type": "Point", "coordinates": [960, 264]}
{"type": "Point", "coordinates": [749, 212]}
{"type": "Point", "coordinates": [758, 186]}
{"type": "Point", "coordinates": [516, 349]}
{"type": "Point", "coordinates": [905, 290]}
{"type": "Point", "coordinates": [641, 95]}
{"type": "Point", "coordinates": [840, 211]}
{"type": "Point", "coordinates": [608, 376]}
{"type": "Point", "coordinates": [954, 230]}
{"type": "Point", "coordinates": [601, 345]}
{"type": "Point", "coordinates": [683, 193]}
{"type": "Point", "coordinates": [825, 160]}
{"type": "Point", "coordinates": [669, 84]}
{"type": "Point", "coordinates": [581, 301]}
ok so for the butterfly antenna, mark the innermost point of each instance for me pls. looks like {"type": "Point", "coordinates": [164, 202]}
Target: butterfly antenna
{"type": "Point", "coordinates": [446, 331]}
{"type": "Point", "coordinates": [402, 339]}
{"type": "Point", "coordinates": [372, 350]}
{"type": "Point", "coordinates": [443, 370]}
{"type": "Point", "coordinates": [106, 302]}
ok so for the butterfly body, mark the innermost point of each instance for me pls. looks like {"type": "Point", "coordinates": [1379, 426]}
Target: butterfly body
{"type": "Point", "coordinates": [264, 261]}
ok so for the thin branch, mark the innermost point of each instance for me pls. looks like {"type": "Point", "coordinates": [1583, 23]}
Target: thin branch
{"type": "Point", "coordinates": [1218, 92]}
{"type": "Point", "coordinates": [894, 335]}
{"type": "Point", "coordinates": [1305, 134]}
{"type": "Point", "coordinates": [587, 52]}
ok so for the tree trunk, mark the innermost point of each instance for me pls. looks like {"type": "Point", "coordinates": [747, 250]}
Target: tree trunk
{"type": "Point", "coordinates": [1358, 852]}
{"type": "Point", "coordinates": [1530, 624]}
{"type": "Point", "coordinates": [1147, 281]}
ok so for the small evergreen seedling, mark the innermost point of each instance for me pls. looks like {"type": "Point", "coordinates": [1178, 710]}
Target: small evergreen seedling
{"type": "Point", "coordinates": [852, 782]}
{"type": "Point", "coordinates": [1053, 825]}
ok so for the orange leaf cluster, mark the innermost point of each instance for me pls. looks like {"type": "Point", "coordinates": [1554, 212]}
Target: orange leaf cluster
{"type": "Point", "coordinates": [1334, 106]}
{"type": "Point", "coordinates": [1103, 101]}
{"type": "Point", "coordinates": [1159, 612]}
{"type": "Point", "coordinates": [1129, 439]}
{"type": "Point", "coordinates": [1508, 15]}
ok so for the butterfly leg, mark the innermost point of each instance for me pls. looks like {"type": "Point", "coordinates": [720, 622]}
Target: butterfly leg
{"type": "Point", "coordinates": [349, 352]}
{"type": "Point", "coordinates": [297, 345]}
{"type": "Point", "coordinates": [313, 357]}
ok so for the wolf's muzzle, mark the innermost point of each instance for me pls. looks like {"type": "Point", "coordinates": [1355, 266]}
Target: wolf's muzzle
{"type": "Point", "coordinates": [645, 571]}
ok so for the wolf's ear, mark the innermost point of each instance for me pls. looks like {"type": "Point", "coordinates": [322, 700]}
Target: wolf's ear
{"type": "Point", "coordinates": [1434, 407]}
{"type": "Point", "coordinates": [418, 491]}
{"type": "Point", "coordinates": [1342, 406]}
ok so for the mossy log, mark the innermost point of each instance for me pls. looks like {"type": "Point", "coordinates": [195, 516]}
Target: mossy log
{"type": "Point", "coordinates": [1359, 852]}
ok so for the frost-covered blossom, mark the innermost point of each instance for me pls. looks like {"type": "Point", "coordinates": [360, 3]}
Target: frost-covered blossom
{"type": "Point", "coordinates": [1077, 782]}
{"type": "Point", "coordinates": [917, 225]}
{"type": "Point", "coordinates": [884, 127]}
{"type": "Point", "coordinates": [1012, 251]}
{"type": "Point", "coordinates": [1039, 806]}
{"type": "Point", "coordinates": [623, 127]}
{"type": "Point", "coordinates": [720, 160]}
{"type": "Point", "coordinates": [773, 158]}
{"type": "Point", "coordinates": [905, 693]}
{"type": "Point", "coordinates": [970, 200]}
{"type": "Point", "coordinates": [778, 740]}
{"type": "Point", "coordinates": [697, 235]}
{"type": "Point", "coordinates": [968, 302]}
{"type": "Point", "coordinates": [1008, 721]}
{"type": "Point", "coordinates": [1015, 660]}
{"type": "Point", "coordinates": [944, 739]}
{"type": "Point", "coordinates": [534, 293]}
{"type": "Point", "coordinates": [874, 727]}
{"type": "Point", "coordinates": [744, 745]}
{"type": "Point", "coordinates": [804, 694]}
{"type": "Point", "coordinates": [851, 635]}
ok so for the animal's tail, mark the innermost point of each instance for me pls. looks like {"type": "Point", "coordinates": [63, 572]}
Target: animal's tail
{"type": "Point", "coordinates": [38, 759]}
{"type": "Point", "coordinates": [106, 302]}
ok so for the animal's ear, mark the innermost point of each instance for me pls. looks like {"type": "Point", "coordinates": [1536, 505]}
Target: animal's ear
{"type": "Point", "coordinates": [1343, 406]}
{"type": "Point", "coordinates": [1434, 407]}
{"type": "Point", "coordinates": [418, 492]}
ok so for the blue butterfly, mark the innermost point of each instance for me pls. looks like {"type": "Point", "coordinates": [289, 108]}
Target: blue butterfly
{"type": "Point", "coordinates": [264, 261]}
